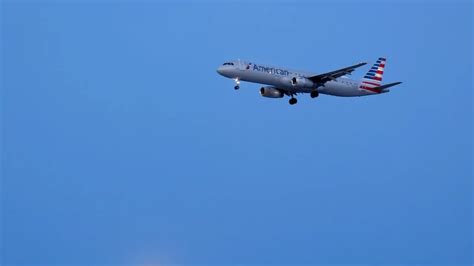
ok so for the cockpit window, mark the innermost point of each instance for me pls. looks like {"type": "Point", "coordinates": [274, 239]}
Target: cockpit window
{"type": "Point", "coordinates": [228, 64]}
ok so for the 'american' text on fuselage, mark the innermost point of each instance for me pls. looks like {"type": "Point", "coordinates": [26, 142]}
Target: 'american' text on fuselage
{"type": "Point", "coordinates": [271, 70]}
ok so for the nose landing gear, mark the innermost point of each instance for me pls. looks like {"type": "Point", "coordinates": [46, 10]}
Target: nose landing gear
{"type": "Point", "coordinates": [237, 84]}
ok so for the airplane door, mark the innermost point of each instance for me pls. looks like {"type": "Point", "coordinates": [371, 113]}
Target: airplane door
{"type": "Point", "coordinates": [241, 65]}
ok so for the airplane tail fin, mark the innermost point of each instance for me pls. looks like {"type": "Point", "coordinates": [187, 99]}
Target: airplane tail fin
{"type": "Point", "coordinates": [373, 78]}
{"type": "Point", "coordinates": [375, 73]}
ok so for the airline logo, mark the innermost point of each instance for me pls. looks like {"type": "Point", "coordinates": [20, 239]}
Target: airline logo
{"type": "Point", "coordinates": [271, 70]}
{"type": "Point", "coordinates": [373, 78]}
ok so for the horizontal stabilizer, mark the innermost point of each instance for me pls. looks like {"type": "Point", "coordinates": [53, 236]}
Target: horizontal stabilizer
{"type": "Point", "coordinates": [386, 86]}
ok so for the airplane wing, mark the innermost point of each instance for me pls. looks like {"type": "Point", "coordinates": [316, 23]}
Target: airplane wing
{"type": "Point", "coordinates": [325, 77]}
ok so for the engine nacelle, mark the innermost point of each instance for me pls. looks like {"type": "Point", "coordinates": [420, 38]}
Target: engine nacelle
{"type": "Point", "coordinates": [301, 82]}
{"type": "Point", "coordinates": [271, 92]}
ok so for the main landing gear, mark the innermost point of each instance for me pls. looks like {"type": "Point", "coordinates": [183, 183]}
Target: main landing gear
{"type": "Point", "coordinates": [314, 94]}
{"type": "Point", "coordinates": [237, 84]}
{"type": "Point", "coordinates": [293, 100]}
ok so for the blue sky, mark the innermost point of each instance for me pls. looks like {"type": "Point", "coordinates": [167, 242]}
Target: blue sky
{"type": "Point", "coordinates": [122, 145]}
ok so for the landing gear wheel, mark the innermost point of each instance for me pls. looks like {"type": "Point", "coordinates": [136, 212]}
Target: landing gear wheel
{"type": "Point", "coordinates": [314, 94]}
{"type": "Point", "coordinates": [293, 101]}
{"type": "Point", "coordinates": [237, 83]}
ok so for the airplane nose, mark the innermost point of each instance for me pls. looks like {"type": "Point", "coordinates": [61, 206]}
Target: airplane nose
{"type": "Point", "coordinates": [220, 70]}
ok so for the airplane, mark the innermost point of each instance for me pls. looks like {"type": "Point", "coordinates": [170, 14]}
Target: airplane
{"type": "Point", "coordinates": [282, 81]}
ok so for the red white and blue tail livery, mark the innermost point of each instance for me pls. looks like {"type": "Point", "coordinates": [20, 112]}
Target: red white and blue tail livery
{"type": "Point", "coordinates": [373, 78]}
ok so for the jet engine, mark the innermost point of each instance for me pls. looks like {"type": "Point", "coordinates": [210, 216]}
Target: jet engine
{"type": "Point", "coordinates": [271, 92]}
{"type": "Point", "coordinates": [301, 82]}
